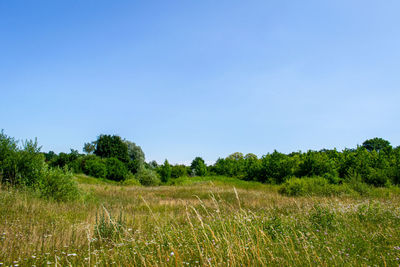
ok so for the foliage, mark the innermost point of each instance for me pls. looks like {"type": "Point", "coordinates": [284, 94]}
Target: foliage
{"type": "Point", "coordinates": [136, 156]}
{"type": "Point", "coordinates": [147, 177]}
{"type": "Point", "coordinates": [57, 184]}
{"type": "Point", "coordinates": [165, 171]}
{"type": "Point", "coordinates": [95, 167]}
{"type": "Point", "coordinates": [314, 186]}
{"type": "Point", "coordinates": [89, 148]}
{"type": "Point", "coordinates": [111, 146]}
{"type": "Point", "coordinates": [198, 167]}
{"type": "Point", "coordinates": [376, 144]}
{"type": "Point", "coordinates": [132, 181]}
{"type": "Point", "coordinates": [179, 170]}
{"type": "Point", "coordinates": [116, 170]}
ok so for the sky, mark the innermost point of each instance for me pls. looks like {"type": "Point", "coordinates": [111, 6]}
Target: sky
{"type": "Point", "coordinates": [201, 78]}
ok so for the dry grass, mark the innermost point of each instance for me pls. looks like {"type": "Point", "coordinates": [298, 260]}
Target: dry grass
{"type": "Point", "coordinates": [198, 225]}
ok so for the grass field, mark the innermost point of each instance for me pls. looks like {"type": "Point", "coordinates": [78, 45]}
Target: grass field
{"type": "Point", "coordinates": [225, 222]}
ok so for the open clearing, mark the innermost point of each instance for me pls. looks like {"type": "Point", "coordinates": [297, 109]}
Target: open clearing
{"type": "Point", "coordinates": [202, 224]}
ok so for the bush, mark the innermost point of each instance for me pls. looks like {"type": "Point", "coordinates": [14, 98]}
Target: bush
{"type": "Point", "coordinates": [147, 177]}
{"type": "Point", "coordinates": [96, 168]}
{"type": "Point", "coordinates": [294, 187]}
{"type": "Point", "coordinates": [116, 170]}
{"type": "Point", "coordinates": [377, 177]}
{"type": "Point", "coordinates": [131, 182]}
{"type": "Point", "coordinates": [317, 186]}
{"type": "Point", "coordinates": [58, 184]}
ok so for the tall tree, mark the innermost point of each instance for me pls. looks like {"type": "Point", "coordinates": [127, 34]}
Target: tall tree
{"type": "Point", "coordinates": [108, 146]}
{"type": "Point", "coordinates": [377, 144]}
{"type": "Point", "coordinates": [198, 167]}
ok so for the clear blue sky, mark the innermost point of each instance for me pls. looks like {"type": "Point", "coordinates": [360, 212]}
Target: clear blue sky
{"type": "Point", "coordinates": [201, 78]}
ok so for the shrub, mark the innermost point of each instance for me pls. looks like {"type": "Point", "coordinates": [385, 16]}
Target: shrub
{"type": "Point", "coordinates": [355, 183]}
{"type": "Point", "coordinates": [147, 177]}
{"type": "Point", "coordinates": [294, 187]}
{"type": "Point", "coordinates": [116, 170]}
{"type": "Point", "coordinates": [58, 184]}
{"type": "Point", "coordinates": [312, 186]}
{"type": "Point", "coordinates": [377, 177]}
{"type": "Point", "coordinates": [96, 168]}
{"type": "Point", "coordinates": [132, 182]}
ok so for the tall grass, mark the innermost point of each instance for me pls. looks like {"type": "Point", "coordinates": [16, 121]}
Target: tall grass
{"type": "Point", "coordinates": [199, 225]}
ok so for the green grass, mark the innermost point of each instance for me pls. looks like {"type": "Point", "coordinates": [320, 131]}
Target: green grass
{"type": "Point", "coordinates": [210, 221]}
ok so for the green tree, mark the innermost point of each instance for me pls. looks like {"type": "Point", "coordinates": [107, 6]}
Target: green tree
{"type": "Point", "coordinates": [179, 171]}
{"type": "Point", "coordinates": [111, 146]}
{"type": "Point", "coordinates": [95, 167]}
{"type": "Point", "coordinates": [116, 170]}
{"type": "Point", "coordinates": [136, 157]}
{"type": "Point", "coordinates": [252, 167]}
{"type": "Point", "coordinates": [89, 148]}
{"type": "Point", "coordinates": [376, 144]}
{"type": "Point", "coordinates": [276, 167]}
{"type": "Point", "coordinates": [198, 167]}
{"type": "Point", "coordinates": [165, 171]}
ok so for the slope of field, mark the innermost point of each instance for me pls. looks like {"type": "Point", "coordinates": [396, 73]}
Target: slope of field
{"type": "Point", "coordinates": [204, 223]}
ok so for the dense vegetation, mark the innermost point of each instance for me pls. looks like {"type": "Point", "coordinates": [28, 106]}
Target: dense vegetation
{"type": "Point", "coordinates": [374, 163]}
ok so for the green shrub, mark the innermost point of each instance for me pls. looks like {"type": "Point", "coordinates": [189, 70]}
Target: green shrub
{"type": "Point", "coordinates": [147, 177]}
{"type": "Point", "coordinates": [354, 182]}
{"type": "Point", "coordinates": [20, 166]}
{"type": "Point", "coordinates": [294, 187]}
{"type": "Point", "coordinates": [377, 177]}
{"type": "Point", "coordinates": [96, 168]}
{"type": "Point", "coordinates": [314, 186]}
{"type": "Point", "coordinates": [58, 184]}
{"type": "Point", "coordinates": [116, 170]}
{"type": "Point", "coordinates": [131, 182]}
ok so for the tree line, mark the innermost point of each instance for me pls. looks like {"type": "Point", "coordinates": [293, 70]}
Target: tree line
{"type": "Point", "coordinates": [375, 162]}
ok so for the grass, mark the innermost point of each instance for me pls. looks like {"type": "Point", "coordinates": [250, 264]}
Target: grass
{"type": "Point", "coordinates": [202, 222]}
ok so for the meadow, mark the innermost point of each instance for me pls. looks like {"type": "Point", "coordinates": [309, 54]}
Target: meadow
{"type": "Point", "coordinates": [207, 221]}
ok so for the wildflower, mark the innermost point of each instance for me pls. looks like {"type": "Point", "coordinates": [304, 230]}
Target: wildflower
{"type": "Point", "coordinates": [172, 253]}
{"type": "Point", "coordinates": [72, 254]}
{"type": "Point", "coordinates": [397, 248]}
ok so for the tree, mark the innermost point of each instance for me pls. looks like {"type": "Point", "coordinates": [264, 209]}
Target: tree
{"type": "Point", "coordinates": [136, 157]}
{"type": "Point", "coordinates": [89, 148]}
{"type": "Point", "coordinates": [276, 167]}
{"type": "Point", "coordinates": [179, 171]}
{"type": "Point", "coordinates": [116, 170]}
{"type": "Point", "coordinates": [252, 167]}
{"type": "Point", "coordinates": [198, 167]}
{"type": "Point", "coordinates": [165, 171]}
{"type": "Point", "coordinates": [135, 152]}
{"type": "Point", "coordinates": [108, 146]}
{"type": "Point", "coordinates": [376, 144]}
{"type": "Point", "coordinates": [95, 167]}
